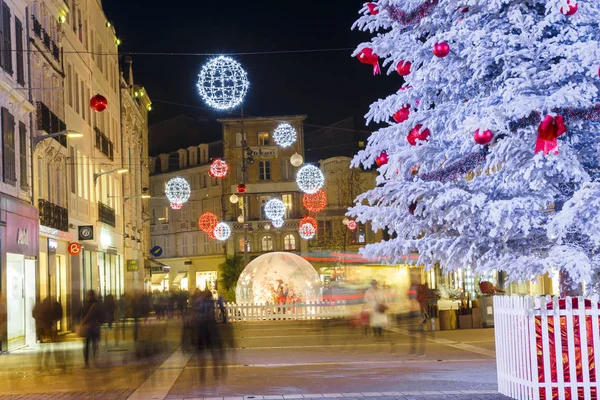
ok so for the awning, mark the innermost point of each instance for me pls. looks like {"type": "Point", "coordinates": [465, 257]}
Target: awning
{"type": "Point", "coordinates": [179, 277]}
{"type": "Point", "coordinates": [158, 278]}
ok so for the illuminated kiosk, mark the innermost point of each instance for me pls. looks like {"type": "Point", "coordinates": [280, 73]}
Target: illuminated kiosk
{"type": "Point", "coordinates": [276, 278]}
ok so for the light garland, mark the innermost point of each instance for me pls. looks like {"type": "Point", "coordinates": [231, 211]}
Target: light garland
{"type": "Point", "coordinates": [274, 209]}
{"type": "Point", "coordinates": [222, 231]}
{"type": "Point", "coordinates": [207, 222]}
{"type": "Point", "coordinates": [307, 231]}
{"type": "Point", "coordinates": [176, 206]}
{"type": "Point", "coordinates": [315, 202]}
{"type": "Point", "coordinates": [308, 220]}
{"type": "Point", "coordinates": [178, 190]}
{"type": "Point", "coordinates": [284, 135]}
{"type": "Point", "coordinates": [310, 179]}
{"type": "Point", "coordinates": [223, 83]}
{"type": "Point", "coordinates": [277, 223]}
{"type": "Point", "coordinates": [218, 168]}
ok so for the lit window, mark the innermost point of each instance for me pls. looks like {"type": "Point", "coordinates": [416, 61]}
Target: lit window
{"type": "Point", "coordinates": [288, 202]}
{"type": "Point", "coordinates": [267, 243]}
{"type": "Point", "coordinates": [242, 245]}
{"type": "Point", "coordinates": [264, 170]}
{"type": "Point", "coordinates": [263, 138]}
{"type": "Point", "coordinates": [289, 242]}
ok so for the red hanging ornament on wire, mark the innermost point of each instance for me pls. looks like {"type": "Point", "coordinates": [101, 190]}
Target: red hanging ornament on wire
{"type": "Point", "coordinates": [381, 159]}
{"type": "Point", "coordinates": [402, 114]}
{"type": "Point", "coordinates": [441, 49]}
{"type": "Point", "coordinates": [367, 56]}
{"type": "Point", "coordinates": [571, 9]}
{"type": "Point", "coordinates": [351, 225]}
{"type": "Point", "coordinates": [483, 137]}
{"type": "Point", "coordinates": [241, 188]}
{"type": "Point", "coordinates": [98, 103]}
{"type": "Point", "coordinates": [207, 222]}
{"type": "Point", "coordinates": [403, 68]}
{"type": "Point", "coordinates": [548, 132]}
{"type": "Point", "coordinates": [218, 168]}
{"type": "Point", "coordinates": [315, 202]}
{"type": "Point", "coordinates": [308, 220]}
{"type": "Point", "coordinates": [372, 8]}
{"type": "Point", "coordinates": [417, 134]}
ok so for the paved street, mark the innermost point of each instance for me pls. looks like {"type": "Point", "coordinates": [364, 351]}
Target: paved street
{"type": "Point", "coordinates": [268, 361]}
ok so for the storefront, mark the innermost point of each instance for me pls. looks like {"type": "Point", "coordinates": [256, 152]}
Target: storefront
{"type": "Point", "coordinates": [19, 281]}
{"type": "Point", "coordinates": [110, 271]}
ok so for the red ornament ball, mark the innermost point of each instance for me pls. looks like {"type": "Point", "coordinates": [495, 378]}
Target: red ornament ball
{"type": "Point", "coordinates": [176, 206]}
{"type": "Point", "coordinates": [368, 56]}
{"type": "Point", "coordinates": [98, 103]}
{"type": "Point", "coordinates": [308, 220]}
{"type": "Point", "coordinates": [571, 9]}
{"type": "Point", "coordinates": [207, 223]}
{"type": "Point", "coordinates": [483, 137]}
{"type": "Point", "coordinates": [417, 134]}
{"type": "Point", "coordinates": [241, 188]}
{"type": "Point", "coordinates": [441, 49]}
{"type": "Point", "coordinates": [402, 114]}
{"type": "Point", "coordinates": [218, 168]}
{"type": "Point", "coordinates": [382, 159]}
{"type": "Point", "coordinates": [315, 202]}
{"type": "Point", "coordinates": [351, 225]}
{"type": "Point", "coordinates": [403, 68]}
{"type": "Point", "coordinates": [372, 8]}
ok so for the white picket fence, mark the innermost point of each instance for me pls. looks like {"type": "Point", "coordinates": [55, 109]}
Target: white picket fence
{"type": "Point", "coordinates": [525, 355]}
{"type": "Point", "coordinates": [292, 311]}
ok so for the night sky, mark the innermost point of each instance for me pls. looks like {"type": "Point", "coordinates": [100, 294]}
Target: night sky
{"type": "Point", "coordinates": [327, 86]}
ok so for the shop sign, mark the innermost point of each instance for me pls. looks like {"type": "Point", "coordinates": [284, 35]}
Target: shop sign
{"type": "Point", "coordinates": [132, 265]}
{"type": "Point", "coordinates": [74, 249]}
{"type": "Point", "coordinates": [264, 152]}
{"type": "Point", "coordinates": [159, 269]}
{"type": "Point", "coordinates": [52, 246]}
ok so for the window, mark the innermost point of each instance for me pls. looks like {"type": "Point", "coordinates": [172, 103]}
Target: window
{"type": "Point", "coordinates": [23, 155]}
{"type": "Point", "coordinates": [165, 218]}
{"type": "Point", "coordinates": [289, 242]}
{"type": "Point", "coordinates": [286, 170]}
{"type": "Point", "coordinates": [203, 181]}
{"type": "Point", "coordinates": [83, 100]}
{"type": "Point", "coordinates": [76, 89]}
{"type": "Point", "coordinates": [289, 204]}
{"type": "Point", "coordinates": [195, 243]}
{"type": "Point", "coordinates": [263, 138]}
{"type": "Point", "coordinates": [184, 245]}
{"type": "Point", "coordinates": [9, 174]}
{"type": "Point", "coordinates": [324, 233]}
{"type": "Point", "coordinates": [5, 40]}
{"type": "Point", "coordinates": [70, 83]}
{"type": "Point", "coordinates": [239, 172]}
{"type": "Point", "coordinates": [238, 139]}
{"type": "Point", "coordinates": [264, 170]}
{"type": "Point", "coordinates": [241, 248]}
{"type": "Point", "coordinates": [73, 163]}
{"type": "Point", "coordinates": [263, 201]}
{"type": "Point", "coordinates": [19, 52]}
{"type": "Point", "coordinates": [266, 243]}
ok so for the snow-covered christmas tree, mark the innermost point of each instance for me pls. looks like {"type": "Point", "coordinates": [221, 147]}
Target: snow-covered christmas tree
{"type": "Point", "coordinates": [491, 154]}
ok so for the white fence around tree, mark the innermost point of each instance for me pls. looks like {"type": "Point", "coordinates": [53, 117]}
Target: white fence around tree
{"type": "Point", "coordinates": [291, 311]}
{"type": "Point", "coordinates": [547, 348]}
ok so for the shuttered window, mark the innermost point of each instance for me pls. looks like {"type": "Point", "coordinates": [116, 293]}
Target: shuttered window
{"type": "Point", "coordinates": [9, 174]}
{"type": "Point", "coordinates": [5, 39]}
{"type": "Point", "coordinates": [19, 52]}
{"type": "Point", "coordinates": [23, 156]}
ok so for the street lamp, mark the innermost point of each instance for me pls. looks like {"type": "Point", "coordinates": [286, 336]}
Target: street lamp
{"type": "Point", "coordinates": [68, 133]}
{"type": "Point", "coordinates": [117, 170]}
{"type": "Point", "coordinates": [141, 196]}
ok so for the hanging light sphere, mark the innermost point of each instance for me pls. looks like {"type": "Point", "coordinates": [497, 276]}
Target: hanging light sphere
{"type": "Point", "coordinates": [274, 209]}
{"type": "Point", "coordinates": [267, 227]}
{"type": "Point", "coordinates": [345, 221]}
{"type": "Point", "coordinates": [307, 231]}
{"type": "Point", "coordinates": [208, 222]}
{"type": "Point", "coordinates": [315, 202]}
{"type": "Point", "coordinates": [308, 220]}
{"type": "Point", "coordinates": [241, 219]}
{"type": "Point", "coordinates": [284, 135]}
{"type": "Point", "coordinates": [222, 83]}
{"type": "Point", "coordinates": [310, 179]}
{"type": "Point", "coordinates": [178, 190]}
{"type": "Point", "coordinates": [98, 103]}
{"type": "Point", "coordinates": [234, 198]}
{"type": "Point", "coordinates": [277, 223]}
{"type": "Point", "coordinates": [241, 188]}
{"type": "Point", "coordinates": [176, 206]}
{"type": "Point", "coordinates": [222, 231]}
{"type": "Point", "coordinates": [218, 168]}
{"type": "Point", "coordinates": [296, 160]}
{"type": "Point", "coordinates": [352, 225]}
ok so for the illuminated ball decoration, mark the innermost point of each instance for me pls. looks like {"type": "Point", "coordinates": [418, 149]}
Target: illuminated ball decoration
{"type": "Point", "coordinates": [352, 225]}
{"type": "Point", "coordinates": [208, 222]}
{"type": "Point", "coordinates": [345, 221]}
{"type": "Point", "coordinates": [307, 231]}
{"type": "Point", "coordinates": [296, 160]}
{"type": "Point", "coordinates": [284, 135]}
{"type": "Point", "coordinates": [218, 168]}
{"type": "Point", "coordinates": [178, 190]}
{"type": "Point", "coordinates": [234, 198]}
{"type": "Point", "coordinates": [241, 219]}
{"type": "Point", "coordinates": [315, 202]}
{"type": "Point", "coordinates": [267, 227]}
{"type": "Point", "coordinates": [176, 206]}
{"type": "Point", "coordinates": [310, 179]}
{"type": "Point", "coordinates": [308, 220]}
{"type": "Point", "coordinates": [98, 103]}
{"type": "Point", "coordinates": [223, 83]}
{"type": "Point", "coordinates": [277, 223]}
{"type": "Point", "coordinates": [274, 209]}
{"type": "Point", "coordinates": [222, 231]}
{"type": "Point", "coordinates": [241, 188]}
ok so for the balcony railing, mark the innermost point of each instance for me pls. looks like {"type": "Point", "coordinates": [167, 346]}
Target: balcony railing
{"type": "Point", "coordinates": [104, 144]}
{"type": "Point", "coordinates": [53, 216]}
{"type": "Point", "coordinates": [49, 122]}
{"type": "Point", "coordinates": [106, 215]}
{"type": "Point", "coordinates": [45, 37]}
{"type": "Point", "coordinates": [37, 27]}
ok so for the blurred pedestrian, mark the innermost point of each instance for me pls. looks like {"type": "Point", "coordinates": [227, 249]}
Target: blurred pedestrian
{"type": "Point", "coordinates": [92, 318]}
{"type": "Point", "coordinates": [376, 298]}
{"type": "Point", "coordinates": [110, 306]}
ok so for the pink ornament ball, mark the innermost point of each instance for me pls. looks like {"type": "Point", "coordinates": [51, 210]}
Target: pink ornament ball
{"type": "Point", "coordinates": [402, 114]}
{"type": "Point", "coordinates": [441, 49]}
{"type": "Point", "coordinates": [571, 9]}
{"type": "Point", "coordinates": [403, 68]}
{"type": "Point", "coordinates": [483, 137]}
{"type": "Point", "coordinates": [417, 134]}
{"type": "Point", "coordinates": [381, 159]}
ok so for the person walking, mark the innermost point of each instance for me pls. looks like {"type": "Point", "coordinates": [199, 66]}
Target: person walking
{"type": "Point", "coordinates": [376, 299]}
{"type": "Point", "coordinates": [92, 318]}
